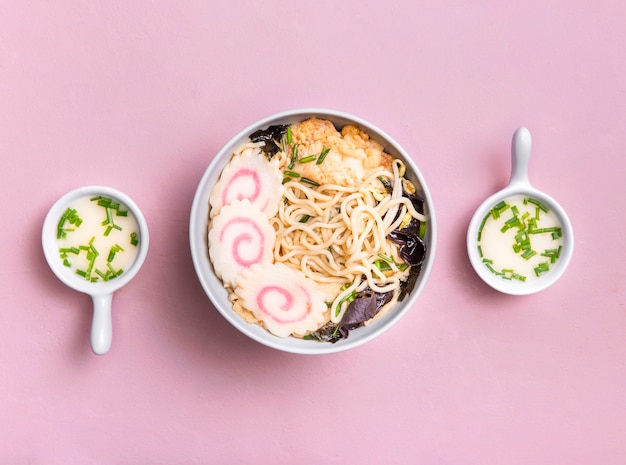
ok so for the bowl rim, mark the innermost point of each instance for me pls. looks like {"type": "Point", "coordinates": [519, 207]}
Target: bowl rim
{"type": "Point", "coordinates": [199, 245]}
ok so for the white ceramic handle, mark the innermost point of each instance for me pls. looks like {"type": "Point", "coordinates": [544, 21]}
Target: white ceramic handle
{"type": "Point", "coordinates": [520, 156]}
{"type": "Point", "coordinates": [101, 325]}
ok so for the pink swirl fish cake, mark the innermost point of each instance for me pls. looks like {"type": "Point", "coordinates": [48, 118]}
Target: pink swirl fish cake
{"type": "Point", "coordinates": [240, 236]}
{"type": "Point", "coordinates": [249, 175]}
{"type": "Point", "coordinates": [282, 299]}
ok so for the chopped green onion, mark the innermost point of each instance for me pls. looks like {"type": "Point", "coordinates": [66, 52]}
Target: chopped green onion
{"type": "Point", "coordinates": [537, 203]}
{"type": "Point", "coordinates": [292, 174]}
{"type": "Point", "coordinates": [289, 135]}
{"type": "Point", "coordinates": [309, 181]}
{"type": "Point", "coordinates": [305, 218]}
{"type": "Point", "coordinates": [294, 157]}
{"type": "Point", "coordinates": [385, 182]}
{"type": "Point", "coordinates": [513, 222]}
{"type": "Point", "coordinates": [325, 151]}
{"type": "Point", "coordinates": [308, 159]}
{"type": "Point", "coordinates": [347, 298]}
{"type": "Point", "coordinates": [480, 228]}
{"type": "Point", "coordinates": [421, 232]}
{"type": "Point", "coordinates": [71, 216]}
{"type": "Point", "coordinates": [541, 268]}
{"type": "Point", "coordinates": [498, 208]}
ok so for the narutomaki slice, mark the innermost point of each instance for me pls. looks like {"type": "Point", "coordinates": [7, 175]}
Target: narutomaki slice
{"type": "Point", "coordinates": [282, 299]}
{"type": "Point", "coordinates": [239, 236]}
{"type": "Point", "coordinates": [249, 175]}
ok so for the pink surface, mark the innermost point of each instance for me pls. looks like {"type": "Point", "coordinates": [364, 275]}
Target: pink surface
{"type": "Point", "coordinates": [140, 95]}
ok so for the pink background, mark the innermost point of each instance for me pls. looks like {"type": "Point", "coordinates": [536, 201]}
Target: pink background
{"type": "Point", "coordinates": [140, 95]}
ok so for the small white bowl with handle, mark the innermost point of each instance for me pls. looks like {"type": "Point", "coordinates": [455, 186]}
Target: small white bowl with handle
{"type": "Point", "coordinates": [100, 287]}
{"type": "Point", "coordinates": [519, 185]}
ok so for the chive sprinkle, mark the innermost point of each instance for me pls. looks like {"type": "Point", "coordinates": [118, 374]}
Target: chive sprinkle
{"type": "Point", "coordinates": [71, 216]}
{"type": "Point", "coordinates": [537, 203]}
{"type": "Point", "coordinates": [294, 157]}
{"type": "Point", "coordinates": [347, 298]}
{"type": "Point", "coordinates": [382, 265]}
{"type": "Point", "coordinates": [320, 159]}
{"type": "Point", "coordinates": [522, 224]}
{"type": "Point", "coordinates": [309, 181]}
{"type": "Point", "coordinates": [292, 174]}
{"type": "Point", "coordinates": [308, 159]}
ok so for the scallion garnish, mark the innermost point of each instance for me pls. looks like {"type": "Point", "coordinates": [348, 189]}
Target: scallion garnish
{"type": "Point", "coordinates": [537, 203]}
{"type": "Point", "coordinates": [305, 218]}
{"type": "Point", "coordinates": [308, 159]}
{"type": "Point", "coordinates": [309, 181]}
{"type": "Point", "coordinates": [541, 268]}
{"type": "Point", "coordinates": [421, 232]}
{"type": "Point", "coordinates": [294, 157]}
{"type": "Point", "coordinates": [320, 159]}
{"type": "Point", "coordinates": [292, 174]}
{"type": "Point", "coordinates": [480, 228]}
{"type": "Point", "coordinates": [385, 182]}
{"type": "Point", "coordinates": [71, 216]}
{"type": "Point", "coordinates": [382, 265]}
{"type": "Point", "coordinates": [523, 225]}
{"type": "Point", "coordinates": [346, 298]}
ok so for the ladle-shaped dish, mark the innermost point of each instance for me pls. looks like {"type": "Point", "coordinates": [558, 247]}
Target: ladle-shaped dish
{"type": "Point", "coordinates": [100, 289]}
{"type": "Point", "coordinates": [554, 263]}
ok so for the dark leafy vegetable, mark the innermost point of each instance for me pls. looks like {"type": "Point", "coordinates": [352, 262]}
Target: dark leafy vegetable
{"type": "Point", "coordinates": [327, 333]}
{"type": "Point", "coordinates": [411, 247]}
{"type": "Point", "coordinates": [364, 307]}
{"type": "Point", "coordinates": [408, 284]}
{"type": "Point", "coordinates": [272, 137]}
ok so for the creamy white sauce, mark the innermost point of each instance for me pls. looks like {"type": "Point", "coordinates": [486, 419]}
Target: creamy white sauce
{"type": "Point", "coordinates": [530, 245]}
{"type": "Point", "coordinates": [103, 244]}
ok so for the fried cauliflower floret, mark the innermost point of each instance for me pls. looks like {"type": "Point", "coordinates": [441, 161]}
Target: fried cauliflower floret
{"type": "Point", "coordinates": [353, 156]}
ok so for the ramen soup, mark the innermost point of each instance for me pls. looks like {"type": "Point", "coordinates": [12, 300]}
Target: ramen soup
{"type": "Point", "coordinates": [520, 239]}
{"type": "Point", "coordinates": [315, 230]}
{"type": "Point", "coordinates": [98, 238]}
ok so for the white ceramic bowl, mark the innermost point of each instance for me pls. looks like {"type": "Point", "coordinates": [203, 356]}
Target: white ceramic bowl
{"type": "Point", "coordinates": [213, 285]}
